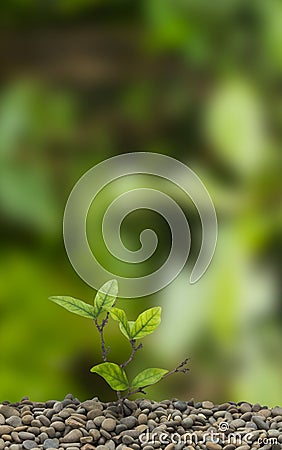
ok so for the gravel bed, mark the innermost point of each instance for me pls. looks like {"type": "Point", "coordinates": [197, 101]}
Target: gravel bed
{"type": "Point", "coordinates": [145, 425]}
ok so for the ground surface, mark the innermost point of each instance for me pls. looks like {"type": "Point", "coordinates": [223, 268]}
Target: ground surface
{"type": "Point", "coordinates": [148, 425]}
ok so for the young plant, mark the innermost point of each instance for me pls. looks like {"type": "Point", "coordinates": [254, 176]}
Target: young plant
{"type": "Point", "coordinates": [102, 309]}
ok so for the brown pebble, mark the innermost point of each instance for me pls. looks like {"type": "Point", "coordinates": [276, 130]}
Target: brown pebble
{"type": "Point", "coordinates": [142, 419]}
{"type": "Point", "coordinates": [5, 429]}
{"type": "Point", "coordinates": [170, 447]}
{"type": "Point", "coordinates": [27, 419]}
{"type": "Point", "coordinates": [8, 411]}
{"type": "Point", "coordinates": [109, 424]}
{"type": "Point", "coordinates": [95, 434]}
{"type": "Point", "coordinates": [207, 405]}
{"type": "Point", "coordinates": [213, 446]}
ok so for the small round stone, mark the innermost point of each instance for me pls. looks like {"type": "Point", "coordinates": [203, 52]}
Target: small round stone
{"type": "Point", "coordinates": [142, 419]}
{"type": "Point", "coordinates": [187, 423]}
{"type": "Point", "coordinates": [237, 423]}
{"type": "Point", "coordinates": [260, 423]}
{"type": "Point", "coordinates": [44, 420]}
{"type": "Point", "coordinates": [213, 446]}
{"type": "Point", "coordinates": [98, 420]}
{"type": "Point", "coordinates": [25, 435]}
{"type": "Point", "coordinates": [245, 407]}
{"type": "Point", "coordinates": [28, 444]}
{"type": "Point", "coordinates": [145, 404]}
{"type": "Point", "coordinates": [72, 436]}
{"type": "Point", "coordinates": [207, 405]}
{"type": "Point", "coordinates": [95, 434]}
{"type": "Point", "coordinates": [58, 425]}
{"type": "Point", "coordinates": [8, 411]}
{"type": "Point", "coordinates": [51, 443]}
{"type": "Point", "coordinates": [14, 421]}
{"type": "Point", "coordinates": [27, 419]}
{"type": "Point", "coordinates": [129, 422]}
{"type": "Point", "coordinates": [93, 413]}
{"type": "Point", "coordinates": [275, 411]}
{"type": "Point", "coordinates": [128, 440]}
{"type": "Point", "coordinates": [182, 406]}
{"type": "Point", "coordinates": [5, 429]}
{"type": "Point", "coordinates": [109, 424]}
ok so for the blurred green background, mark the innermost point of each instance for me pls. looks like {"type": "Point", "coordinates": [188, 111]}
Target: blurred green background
{"type": "Point", "coordinates": [200, 81]}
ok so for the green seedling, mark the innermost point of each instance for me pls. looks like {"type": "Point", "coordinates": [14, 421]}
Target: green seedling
{"type": "Point", "coordinates": [100, 312]}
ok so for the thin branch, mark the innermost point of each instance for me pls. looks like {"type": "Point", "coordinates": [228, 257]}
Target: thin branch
{"type": "Point", "coordinates": [182, 367]}
{"type": "Point", "coordinates": [100, 327]}
{"type": "Point", "coordinates": [134, 350]}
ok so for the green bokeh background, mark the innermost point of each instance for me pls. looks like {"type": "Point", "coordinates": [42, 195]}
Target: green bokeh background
{"type": "Point", "coordinates": [196, 80]}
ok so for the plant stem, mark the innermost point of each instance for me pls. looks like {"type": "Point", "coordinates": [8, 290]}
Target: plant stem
{"type": "Point", "coordinates": [100, 327]}
{"type": "Point", "coordinates": [134, 350]}
{"type": "Point", "coordinates": [120, 402]}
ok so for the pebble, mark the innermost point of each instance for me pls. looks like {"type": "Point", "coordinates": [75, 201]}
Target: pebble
{"type": "Point", "coordinates": [207, 405]}
{"type": "Point", "coordinates": [109, 424]}
{"type": "Point", "coordinates": [93, 425]}
{"type": "Point", "coordinates": [275, 411]}
{"type": "Point", "coordinates": [14, 421]}
{"type": "Point", "coordinates": [5, 429]}
{"type": "Point", "coordinates": [187, 423]}
{"type": "Point", "coordinates": [213, 446]}
{"type": "Point", "coordinates": [91, 404]}
{"type": "Point", "coordinates": [27, 419]}
{"type": "Point", "coordinates": [72, 436]}
{"type": "Point", "coordinates": [129, 422]}
{"type": "Point", "coordinates": [142, 419]}
{"type": "Point", "coordinates": [237, 423]}
{"type": "Point", "coordinates": [51, 443]}
{"type": "Point", "coordinates": [98, 420]}
{"type": "Point", "coordinates": [260, 423]}
{"type": "Point", "coordinates": [8, 411]}
{"type": "Point", "coordinates": [28, 444]}
{"type": "Point", "coordinates": [58, 425]}
{"type": "Point", "coordinates": [245, 407]}
{"type": "Point", "coordinates": [23, 435]}
{"type": "Point", "coordinates": [182, 406]}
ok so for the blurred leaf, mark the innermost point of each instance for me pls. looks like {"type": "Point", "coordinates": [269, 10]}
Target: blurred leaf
{"type": "Point", "coordinates": [234, 125]}
{"type": "Point", "coordinates": [113, 374]}
{"type": "Point", "coordinates": [26, 197]}
{"type": "Point", "coordinates": [75, 306]}
{"type": "Point", "coordinates": [148, 377]}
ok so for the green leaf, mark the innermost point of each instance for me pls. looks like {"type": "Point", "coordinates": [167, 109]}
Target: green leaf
{"type": "Point", "coordinates": [146, 322]}
{"type": "Point", "coordinates": [106, 296]}
{"type": "Point", "coordinates": [75, 306]}
{"type": "Point", "coordinates": [113, 374]}
{"type": "Point", "coordinates": [148, 377]}
{"type": "Point", "coordinates": [124, 324]}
